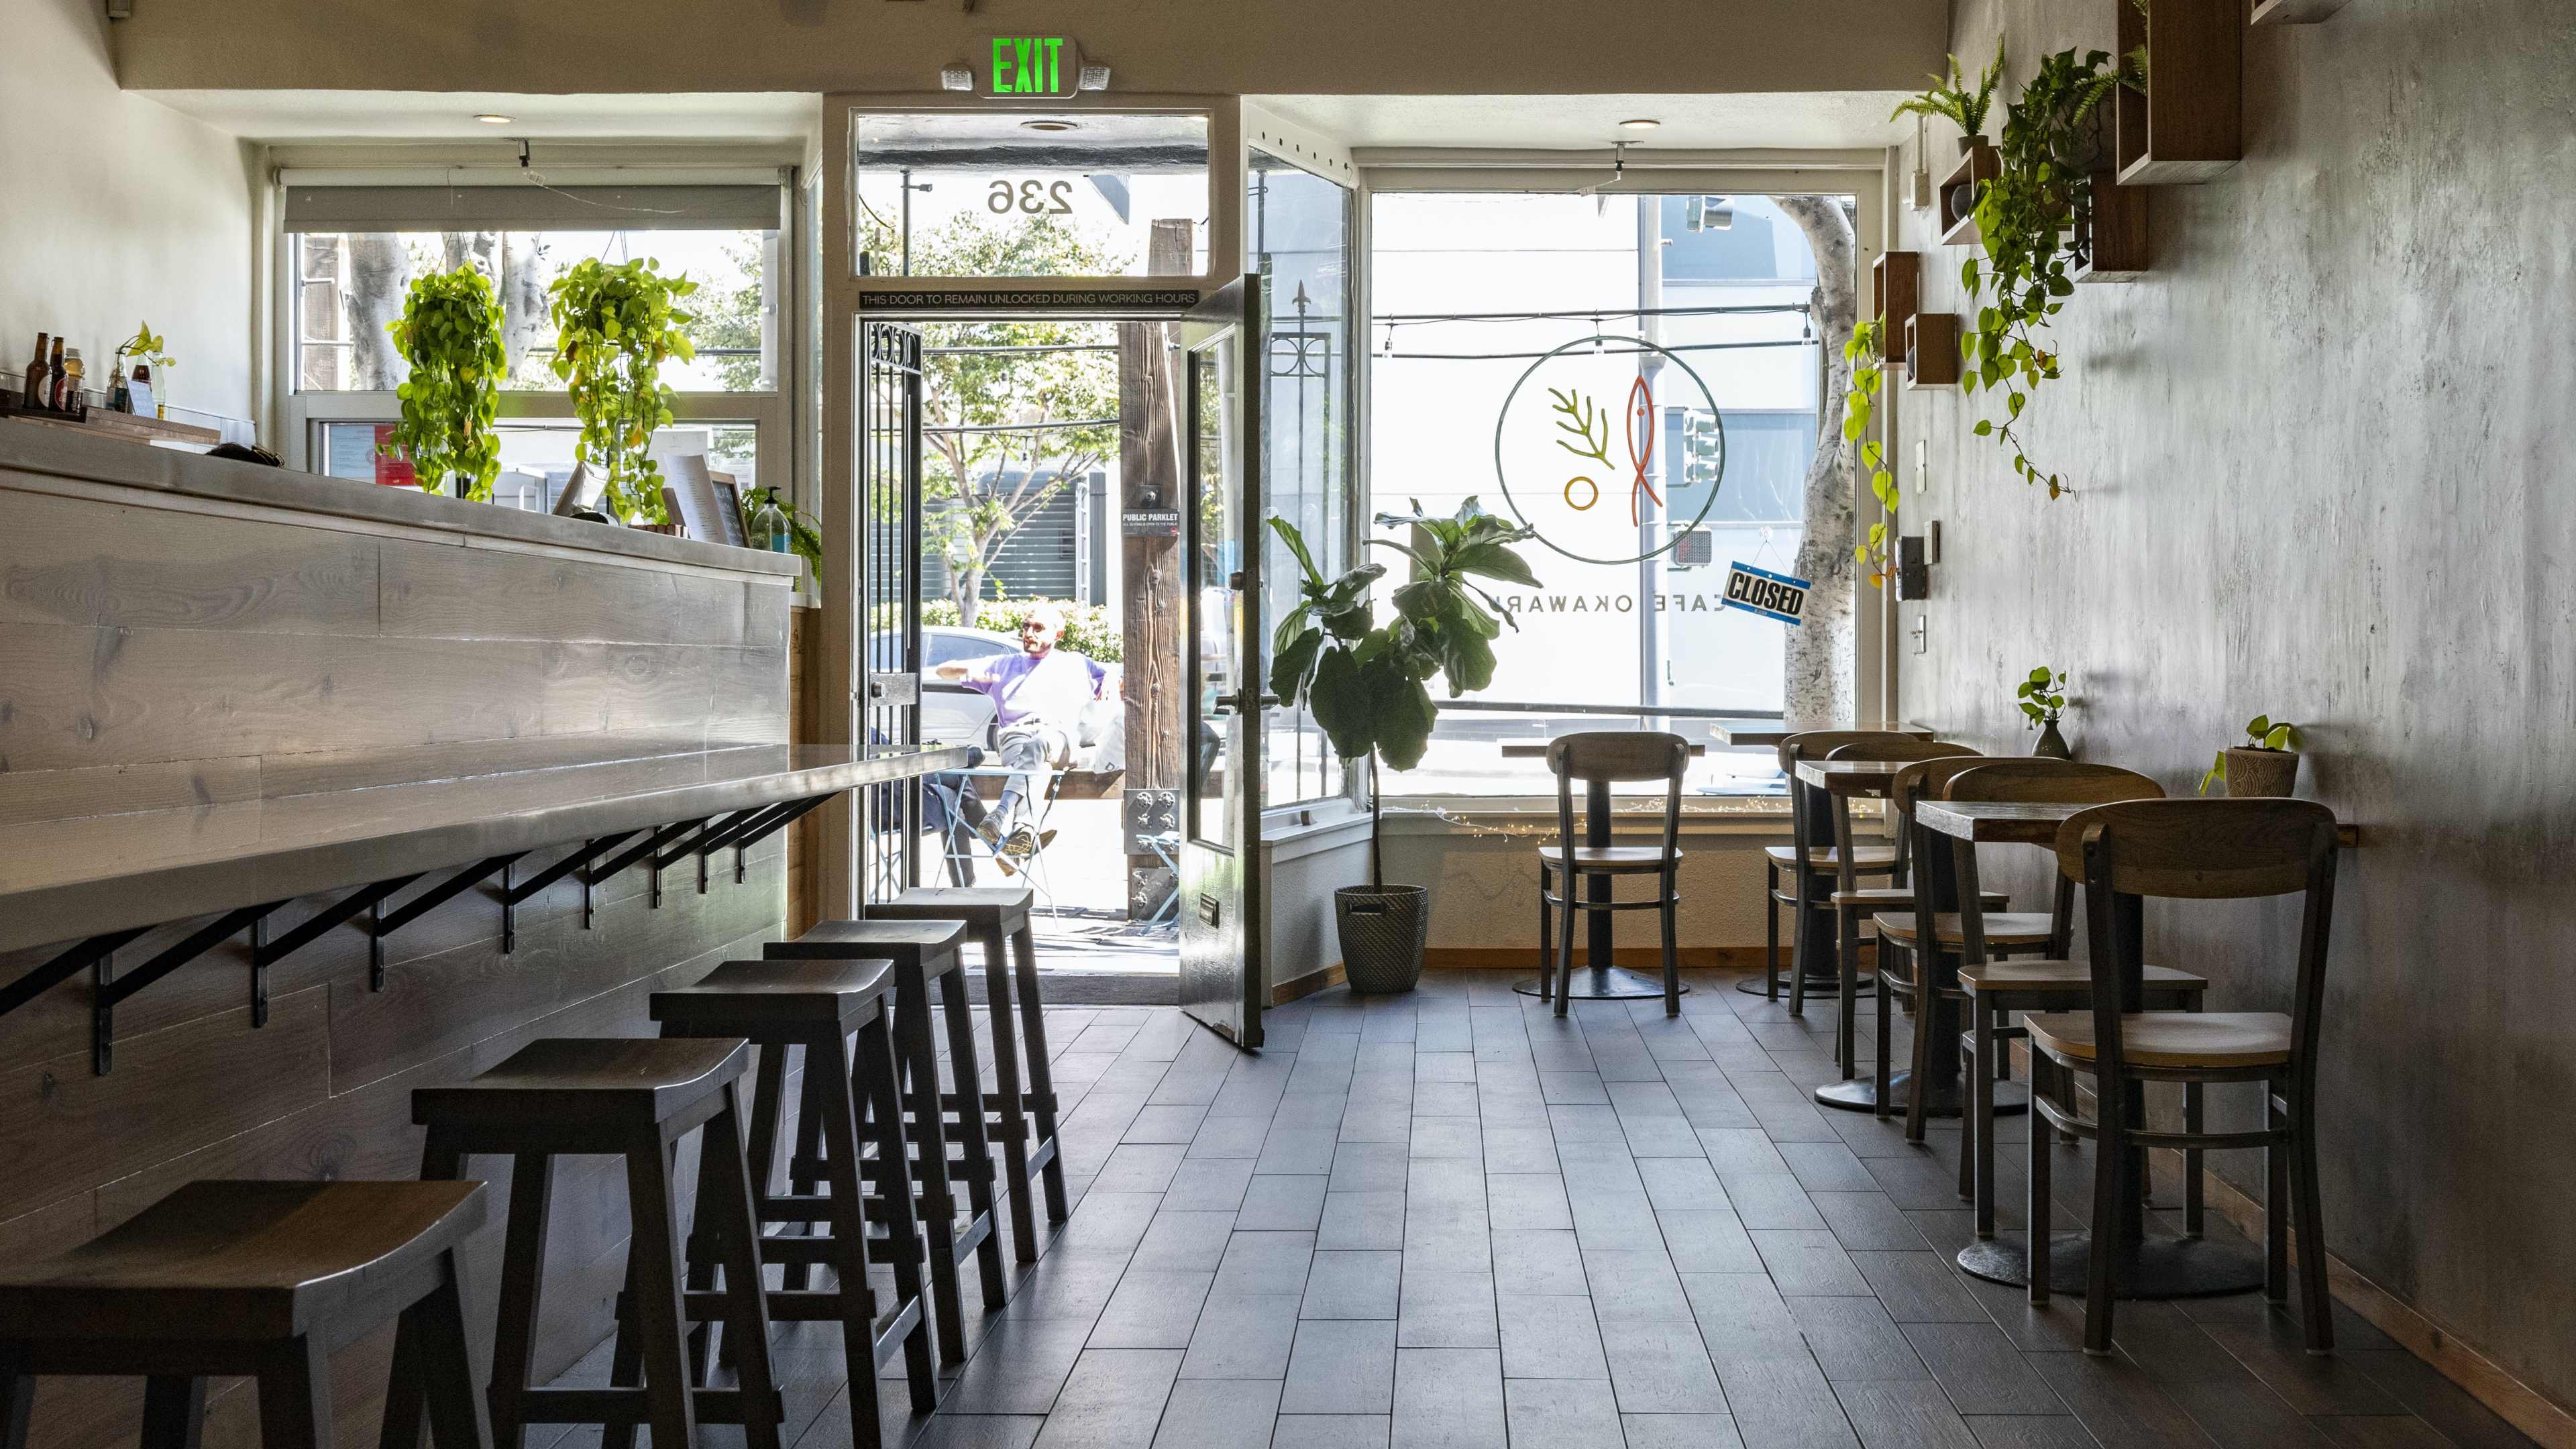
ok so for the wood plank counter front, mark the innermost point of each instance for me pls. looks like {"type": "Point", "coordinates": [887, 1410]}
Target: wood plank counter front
{"type": "Point", "coordinates": [235, 704]}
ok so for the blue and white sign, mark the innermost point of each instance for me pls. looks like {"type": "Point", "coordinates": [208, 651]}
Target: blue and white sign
{"type": "Point", "coordinates": [1759, 591]}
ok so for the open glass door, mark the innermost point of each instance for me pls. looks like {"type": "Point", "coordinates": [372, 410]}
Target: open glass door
{"type": "Point", "coordinates": [1220, 885]}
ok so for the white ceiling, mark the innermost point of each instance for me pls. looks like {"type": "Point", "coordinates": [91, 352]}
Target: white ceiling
{"type": "Point", "coordinates": [1797, 120]}
{"type": "Point", "coordinates": [1801, 120]}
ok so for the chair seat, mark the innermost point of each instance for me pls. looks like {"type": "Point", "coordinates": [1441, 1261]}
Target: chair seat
{"type": "Point", "coordinates": [578, 1080]}
{"type": "Point", "coordinates": [243, 1261]}
{"type": "Point", "coordinates": [1004, 908]}
{"type": "Point", "coordinates": [1607, 859]}
{"type": "Point", "coordinates": [2003, 928]}
{"type": "Point", "coordinates": [1892, 897]}
{"type": "Point", "coordinates": [929, 946]}
{"type": "Point", "coordinates": [741, 996]}
{"type": "Point", "coordinates": [2175, 1039]}
{"type": "Point", "coordinates": [2072, 977]}
{"type": "Point", "coordinates": [1864, 857]}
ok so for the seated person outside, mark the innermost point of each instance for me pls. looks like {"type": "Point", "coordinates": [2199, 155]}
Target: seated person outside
{"type": "Point", "coordinates": [1037, 695]}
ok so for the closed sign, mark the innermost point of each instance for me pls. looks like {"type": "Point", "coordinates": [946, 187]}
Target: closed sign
{"type": "Point", "coordinates": [1759, 591]}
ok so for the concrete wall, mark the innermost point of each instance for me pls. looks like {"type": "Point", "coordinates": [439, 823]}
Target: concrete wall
{"type": "Point", "coordinates": [1484, 881]}
{"type": "Point", "coordinates": [114, 210]}
{"type": "Point", "coordinates": [2320, 469]}
{"type": "Point", "coordinates": [1336, 47]}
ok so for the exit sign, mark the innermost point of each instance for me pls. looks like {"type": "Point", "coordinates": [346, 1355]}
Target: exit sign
{"type": "Point", "coordinates": [1034, 65]}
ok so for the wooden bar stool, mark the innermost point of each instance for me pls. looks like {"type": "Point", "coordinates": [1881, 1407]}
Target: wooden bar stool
{"type": "Point", "coordinates": [257, 1278]}
{"type": "Point", "coordinates": [1808, 859]}
{"type": "Point", "coordinates": [632, 1099]}
{"type": "Point", "coordinates": [922, 952]}
{"type": "Point", "coordinates": [1021, 1104]}
{"type": "Point", "coordinates": [1994, 990]}
{"type": "Point", "coordinates": [1611, 756]}
{"type": "Point", "coordinates": [816, 1008]}
{"type": "Point", "coordinates": [2189, 850]}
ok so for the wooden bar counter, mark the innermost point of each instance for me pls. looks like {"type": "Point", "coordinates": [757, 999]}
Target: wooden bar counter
{"type": "Point", "coordinates": [313, 793]}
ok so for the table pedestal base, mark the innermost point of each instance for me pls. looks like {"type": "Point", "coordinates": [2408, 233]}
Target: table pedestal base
{"type": "Point", "coordinates": [1606, 983]}
{"type": "Point", "coordinates": [1861, 1095]}
{"type": "Point", "coordinates": [1828, 986]}
{"type": "Point", "coordinates": [2163, 1268]}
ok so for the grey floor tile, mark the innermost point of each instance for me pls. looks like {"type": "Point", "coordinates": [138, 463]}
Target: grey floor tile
{"type": "Point", "coordinates": [1152, 1309]}
{"type": "Point", "coordinates": [2038, 1431]}
{"type": "Point", "coordinates": [1066, 1286]}
{"type": "Point", "coordinates": [1621, 1219]}
{"type": "Point", "coordinates": [1867, 1220]}
{"type": "Point", "coordinates": [1208, 1184]}
{"type": "Point", "coordinates": [1219, 1414]}
{"type": "Point", "coordinates": [1680, 1431]}
{"type": "Point", "coordinates": [2246, 1415]}
{"type": "Point", "coordinates": [1980, 1369]}
{"type": "Point", "coordinates": [2117, 1401]}
{"type": "Point", "coordinates": [1447, 1099]}
{"type": "Point", "coordinates": [1140, 1167]}
{"type": "Point", "coordinates": [1682, 1184]}
{"type": "Point", "coordinates": [1280, 1203]}
{"type": "Point", "coordinates": [1299, 1149]}
{"type": "Point", "coordinates": [1369, 1167]}
{"type": "Point", "coordinates": [973, 1431]}
{"type": "Point", "coordinates": [1563, 1413]}
{"type": "Point", "coordinates": [1918, 1287]}
{"type": "Point", "coordinates": [1661, 1368]}
{"type": "Point", "coordinates": [1330, 1431]}
{"type": "Point", "coordinates": [1362, 1220]}
{"type": "Point", "coordinates": [1112, 1400]}
{"type": "Point", "coordinates": [1242, 1336]}
{"type": "Point", "coordinates": [1443, 1308]}
{"type": "Point", "coordinates": [1548, 1263]}
{"type": "Point", "coordinates": [1458, 1137]}
{"type": "Point", "coordinates": [1265, 1263]}
{"type": "Point", "coordinates": [1341, 1367]}
{"type": "Point", "coordinates": [1853, 1338]}
{"type": "Point", "coordinates": [1018, 1367]}
{"type": "Point", "coordinates": [1903, 1414]}
{"type": "Point", "coordinates": [1185, 1240]}
{"type": "Point", "coordinates": [1344, 1284]}
{"type": "Point", "coordinates": [1784, 1401]}
{"type": "Point", "coordinates": [1519, 1149]}
{"type": "Point", "coordinates": [1550, 1338]}
{"type": "Point", "coordinates": [1827, 1167]}
{"type": "Point", "coordinates": [1448, 1398]}
{"type": "Point", "coordinates": [1175, 1123]}
{"type": "Point", "coordinates": [1808, 1264]}
{"type": "Point", "coordinates": [1526, 1200]}
{"type": "Point", "coordinates": [1634, 1285]}
{"type": "Point", "coordinates": [1771, 1200]}
{"type": "Point", "coordinates": [1708, 1241]}
{"type": "Point", "coordinates": [1743, 1316]}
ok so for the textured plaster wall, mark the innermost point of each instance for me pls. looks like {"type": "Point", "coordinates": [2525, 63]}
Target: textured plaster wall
{"type": "Point", "coordinates": [1484, 885]}
{"type": "Point", "coordinates": [115, 209]}
{"type": "Point", "coordinates": [2320, 459]}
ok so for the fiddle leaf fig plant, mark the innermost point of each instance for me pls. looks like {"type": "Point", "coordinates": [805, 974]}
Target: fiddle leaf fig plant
{"type": "Point", "coordinates": [450, 333]}
{"type": "Point", "coordinates": [1950, 98]}
{"type": "Point", "coordinates": [614, 328]}
{"type": "Point", "coordinates": [1867, 353]}
{"type": "Point", "coordinates": [1369, 683]}
{"type": "Point", "coordinates": [2262, 732]}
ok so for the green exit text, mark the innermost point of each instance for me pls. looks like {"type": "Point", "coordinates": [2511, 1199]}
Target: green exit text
{"type": "Point", "coordinates": [1031, 66]}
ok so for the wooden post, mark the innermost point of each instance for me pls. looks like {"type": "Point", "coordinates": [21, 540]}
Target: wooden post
{"type": "Point", "coordinates": [1152, 568]}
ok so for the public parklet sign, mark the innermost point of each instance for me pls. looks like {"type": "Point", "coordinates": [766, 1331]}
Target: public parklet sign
{"type": "Point", "coordinates": [1759, 591]}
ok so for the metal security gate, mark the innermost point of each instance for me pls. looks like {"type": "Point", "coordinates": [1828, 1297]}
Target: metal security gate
{"type": "Point", "coordinates": [889, 478]}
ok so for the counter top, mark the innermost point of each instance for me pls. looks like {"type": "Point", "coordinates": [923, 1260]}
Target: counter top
{"type": "Point", "coordinates": [83, 876]}
{"type": "Point", "coordinates": [31, 448]}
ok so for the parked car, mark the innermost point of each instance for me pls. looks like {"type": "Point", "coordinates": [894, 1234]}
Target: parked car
{"type": "Point", "coordinates": [952, 714]}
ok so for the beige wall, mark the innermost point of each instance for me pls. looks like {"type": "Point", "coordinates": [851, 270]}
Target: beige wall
{"type": "Point", "coordinates": [1484, 882]}
{"type": "Point", "coordinates": [115, 210]}
{"type": "Point", "coordinates": [1342, 47]}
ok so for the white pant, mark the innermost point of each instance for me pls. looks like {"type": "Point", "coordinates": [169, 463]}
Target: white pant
{"type": "Point", "coordinates": [1030, 744]}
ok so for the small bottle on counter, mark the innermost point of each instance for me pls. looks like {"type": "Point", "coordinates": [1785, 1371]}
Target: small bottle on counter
{"type": "Point", "coordinates": [37, 374]}
{"type": "Point", "coordinates": [53, 397]}
{"type": "Point", "coordinates": [139, 392]}
{"type": "Point", "coordinates": [72, 400]}
{"type": "Point", "coordinates": [118, 399]}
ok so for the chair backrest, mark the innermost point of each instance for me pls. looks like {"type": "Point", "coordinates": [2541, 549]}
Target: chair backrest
{"type": "Point", "coordinates": [1928, 779]}
{"type": "Point", "coordinates": [1818, 744]}
{"type": "Point", "coordinates": [1902, 747]}
{"type": "Point", "coordinates": [2201, 850]}
{"type": "Point", "coordinates": [2051, 780]}
{"type": "Point", "coordinates": [1613, 756]}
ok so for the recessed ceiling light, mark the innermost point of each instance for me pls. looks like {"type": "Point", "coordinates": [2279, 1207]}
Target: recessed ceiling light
{"type": "Point", "coordinates": [1049, 125]}
{"type": "Point", "coordinates": [1642, 123]}
{"type": "Point", "coordinates": [490, 118]}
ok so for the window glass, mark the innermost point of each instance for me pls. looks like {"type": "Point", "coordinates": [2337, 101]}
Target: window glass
{"type": "Point", "coordinates": [1635, 377]}
{"type": "Point", "coordinates": [351, 284]}
{"type": "Point", "coordinates": [1017, 194]}
{"type": "Point", "coordinates": [1297, 227]}
{"type": "Point", "coordinates": [537, 455]}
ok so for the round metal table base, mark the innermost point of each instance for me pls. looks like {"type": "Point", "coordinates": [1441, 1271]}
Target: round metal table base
{"type": "Point", "coordinates": [2164, 1268]}
{"type": "Point", "coordinates": [1861, 1095]}
{"type": "Point", "coordinates": [1827, 987]}
{"type": "Point", "coordinates": [1605, 983]}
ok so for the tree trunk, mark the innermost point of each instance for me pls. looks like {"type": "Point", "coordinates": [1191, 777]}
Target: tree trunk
{"type": "Point", "coordinates": [379, 274]}
{"type": "Point", "coordinates": [1149, 477]}
{"type": "Point", "coordinates": [966, 587]}
{"type": "Point", "coordinates": [1822, 665]}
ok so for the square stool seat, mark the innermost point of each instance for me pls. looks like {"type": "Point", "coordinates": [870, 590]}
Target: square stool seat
{"type": "Point", "coordinates": [576, 1082]}
{"type": "Point", "coordinates": [777, 993]}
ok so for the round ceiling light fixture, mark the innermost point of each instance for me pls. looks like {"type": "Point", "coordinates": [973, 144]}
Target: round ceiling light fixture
{"type": "Point", "coordinates": [494, 118]}
{"type": "Point", "coordinates": [1050, 124]}
{"type": "Point", "coordinates": [1641, 123]}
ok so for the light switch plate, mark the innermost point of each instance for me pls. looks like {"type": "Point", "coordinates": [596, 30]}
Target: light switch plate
{"type": "Point", "coordinates": [1914, 630]}
{"type": "Point", "coordinates": [1922, 467]}
{"type": "Point", "coordinates": [1932, 542]}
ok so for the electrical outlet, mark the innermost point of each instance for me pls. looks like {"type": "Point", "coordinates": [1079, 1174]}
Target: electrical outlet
{"type": "Point", "coordinates": [1914, 631]}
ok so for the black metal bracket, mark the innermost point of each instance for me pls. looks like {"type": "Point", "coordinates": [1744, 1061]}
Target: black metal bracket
{"type": "Point", "coordinates": [513, 894]}
{"type": "Point", "coordinates": [713, 839]}
{"type": "Point", "coordinates": [655, 863]}
{"type": "Point", "coordinates": [427, 901]}
{"type": "Point", "coordinates": [767, 822]}
{"type": "Point", "coordinates": [112, 989]}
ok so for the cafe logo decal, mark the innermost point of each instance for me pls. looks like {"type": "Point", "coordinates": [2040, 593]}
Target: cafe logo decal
{"type": "Point", "coordinates": [1553, 438]}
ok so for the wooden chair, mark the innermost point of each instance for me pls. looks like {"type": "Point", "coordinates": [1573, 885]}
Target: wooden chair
{"type": "Point", "coordinates": [1848, 900]}
{"type": "Point", "coordinates": [621, 1098]}
{"type": "Point", "coordinates": [1023, 1112]}
{"type": "Point", "coordinates": [259, 1278]}
{"type": "Point", "coordinates": [922, 952]}
{"type": "Point", "coordinates": [1614, 756]}
{"type": "Point", "coordinates": [2189, 850]}
{"type": "Point", "coordinates": [1992, 990]}
{"type": "Point", "coordinates": [816, 1008]}
{"type": "Point", "coordinates": [1807, 859]}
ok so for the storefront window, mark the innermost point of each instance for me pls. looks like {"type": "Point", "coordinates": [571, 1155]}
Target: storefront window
{"type": "Point", "coordinates": [1022, 194]}
{"type": "Point", "coordinates": [537, 456]}
{"type": "Point", "coordinates": [1635, 377]}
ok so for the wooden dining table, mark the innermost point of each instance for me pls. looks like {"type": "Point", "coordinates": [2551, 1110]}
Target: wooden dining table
{"type": "Point", "coordinates": [1738, 733]}
{"type": "Point", "coordinates": [2157, 1265]}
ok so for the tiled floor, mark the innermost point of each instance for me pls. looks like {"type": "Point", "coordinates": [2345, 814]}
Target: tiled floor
{"type": "Point", "coordinates": [1449, 1219]}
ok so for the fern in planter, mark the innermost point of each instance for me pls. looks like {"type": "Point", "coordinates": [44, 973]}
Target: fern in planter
{"type": "Point", "coordinates": [450, 333]}
{"type": "Point", "coordinates": [1950, 99]}
{"type": "Point", "coordinates": [614, 328]}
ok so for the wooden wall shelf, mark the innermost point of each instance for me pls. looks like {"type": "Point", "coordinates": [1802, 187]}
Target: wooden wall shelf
{"type": "Point", "coordinates": [1895, 292]}
{"type": "Point", "coordinates": [1932, 349]}
{"type": "Point", "coordinates": [2190, 124]}
{"type": "Point", "coordinates": [1959, 209]}
{"type": "Point", "coordinates": [2117, 247]}
{"type": "Point", "coordinates": [2293, 12]}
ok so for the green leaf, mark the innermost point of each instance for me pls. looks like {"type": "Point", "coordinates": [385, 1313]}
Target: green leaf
{"type": "Point", "coordinates": [1297, 546]}
{"type": "Point", "coordinates": [1292, 666]}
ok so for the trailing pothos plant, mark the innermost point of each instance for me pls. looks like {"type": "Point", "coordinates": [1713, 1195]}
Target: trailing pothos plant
{"type": "Point", "coordinates": [2051, 144]}
{"type": "Point", "coordinates": [1867, 353]}
{"type": "Point", "coordinates": [1369, 684]}
{"type": "Point", "coordinates": [450, 333]}
{"type": "Point", "coordinates": [614, 328]}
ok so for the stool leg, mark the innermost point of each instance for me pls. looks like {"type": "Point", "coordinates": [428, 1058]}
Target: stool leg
{"type": "Point", "coordinates": [1546, 946]}
{"type": "Point", "coordinates": [446, 1360]}
{"type": "Point", "coordinates": [919, 1069]}
{"type": "Point", "coordinates": [876, 1065]}
{"type": "Point", "coordinates": [403, 1387]}
{"type": "Point", "coordinates": [850, 1238]}
{"type": "Point", "coordinates": [1846, 986]}
{"type": "Point", "coordinates": [1012, 1105]}
{"type": "Point", "coordinates": [1024, 955]}
{"type": "Point", "coordinates": [295, 1395]}
{"type": "Point", "coordinates": [17, 1395]}
{"type": "Point", "coordinates": [625, 1358]}
{"type": "Point", "coordinates": [725, 1215]}
{"type": "Point", "coordinates": [2110, 1183]}
{"type": "Point", "coordinates": [1886, 1009]}
{"type": "Point", "coordinates": [1566, 891]}
{"type": "Point", "coordinates": [653, 1264]}
{"type": "Point", "coordinates": [2043, 1143]}
{"type": "Point", "coordinates": [1672, 950]}
{"type": "Point", "coordinates": [523, 1264]}
{"type": "Point", "coordinates": [174, 1412]}
{"type": "Point", "coordinates": [959, 1012]}
{"type": "Point", "coordinates": [2276, 1200]}
{"type": "Point", "coordinates": [1771, 930]}
{"type": "Point", "coordinates": [808, 1142]}
{"type": "Point", "coordinates": [2307, 1209]}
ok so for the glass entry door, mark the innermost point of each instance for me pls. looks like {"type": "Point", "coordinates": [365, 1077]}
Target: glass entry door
{"type": "Point", "coordinates": [1220, 875]}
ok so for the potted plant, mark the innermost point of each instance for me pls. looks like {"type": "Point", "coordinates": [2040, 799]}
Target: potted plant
{"type": "Point", "coordinates": [1950, 99]}
{"type": "Point", "coordinates": [148, 349]}
{"type": "Point", "coordinates": [1369, 687]}
{"type": "Point", "coordinates": [614, 328]}
{"type": "Point", "coordinates": [2266, 764]}
{"type": "Point", "coordinates": [2043, 698]}
{"type": "Point", "coordinates": [450, 333]}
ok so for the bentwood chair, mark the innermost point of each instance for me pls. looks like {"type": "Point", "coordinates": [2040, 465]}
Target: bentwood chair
{"type": "Point", "coordinates": [1616, 756]}
{"type": "Point", "coordinates": [2126, 854]}
{"type": "Point", "coordinates": [1992, 990]}
{"type": "Point", "coordinates": [1899, 967]}
{"type": "Point", "coordinates": [1808, 860]}
{"type": "Point", "coordinates": [1853, 903]}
